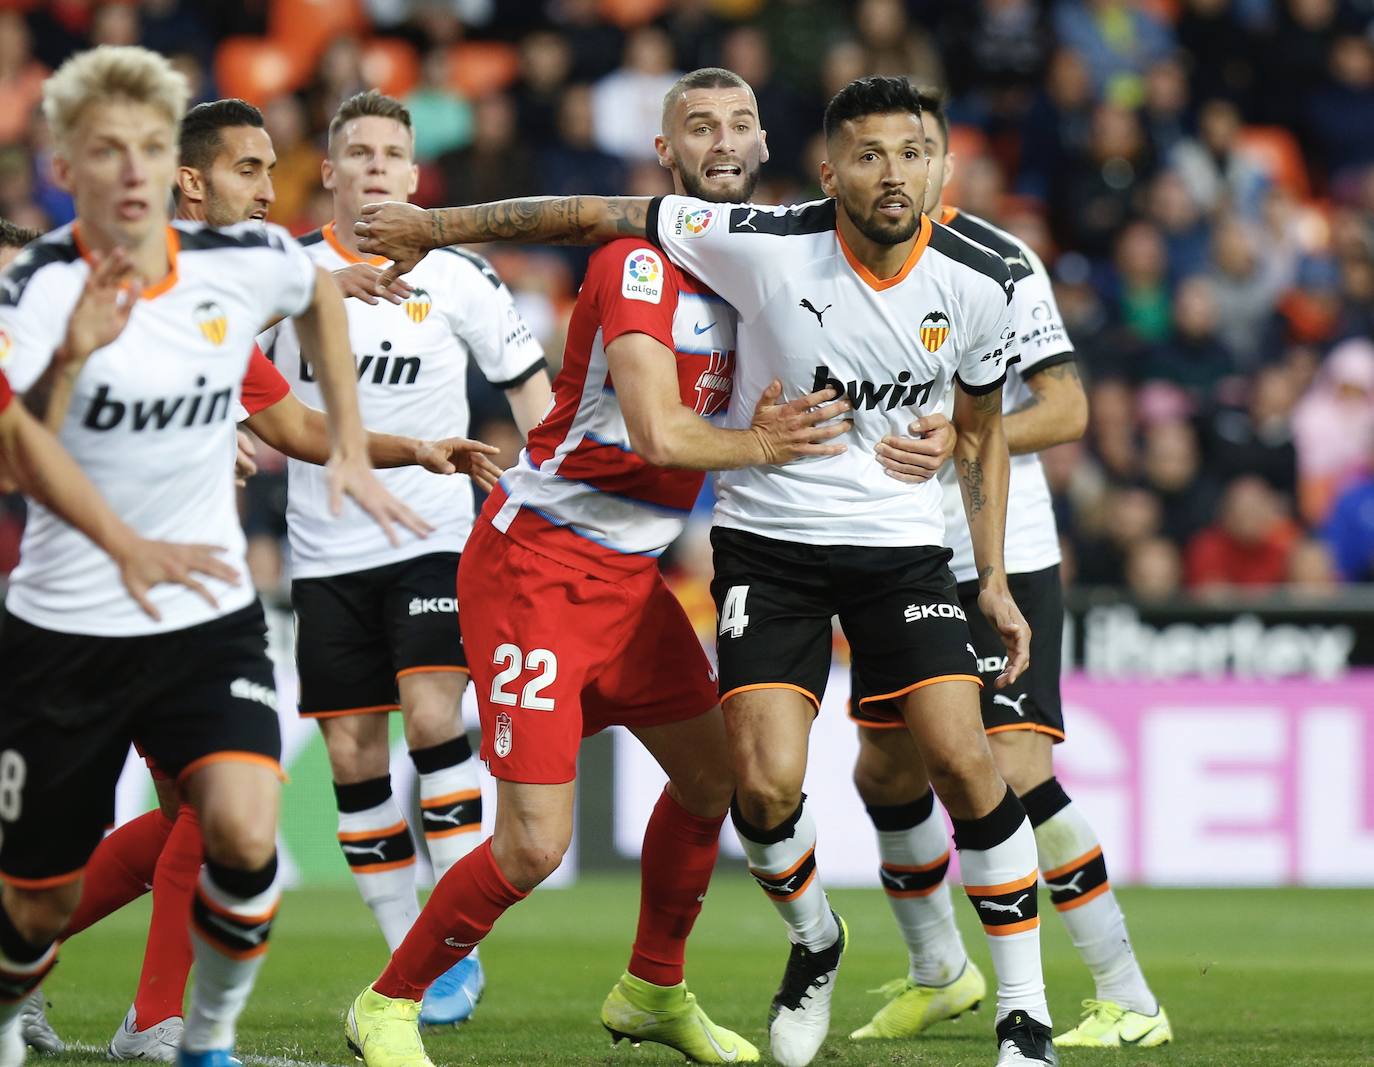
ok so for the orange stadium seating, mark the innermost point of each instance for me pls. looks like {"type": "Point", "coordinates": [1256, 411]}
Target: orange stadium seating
{"type": "Point", "coordinates": [391, 65]}
{"type": "Point", "coordinates": [257, 69]}
{"type": "Point", "coordinates": [480, 67]}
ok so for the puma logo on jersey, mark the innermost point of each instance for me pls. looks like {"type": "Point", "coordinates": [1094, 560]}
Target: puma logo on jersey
{"type": "Point", "coordinates": [866, 395]}
{"type": "Point", "coordinates": [424, 605]}
{"type": "Point", "coordinates": [386, 369]}
{"type": "Point", "coordinates": [916, 612]}
{"type": "Point", "coordinates": [1013, 908]}
{"type": "Point", "coordinates": [192, 409]}
{"type": "Point", "coordinates": [243, 689]}
{"type": "Point", "coordinates": [1015, 705]}
{"type": "Point", "coordinates": [819, 314]}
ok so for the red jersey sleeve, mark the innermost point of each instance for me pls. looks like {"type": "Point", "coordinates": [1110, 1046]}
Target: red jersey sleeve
{"type": "Point", "coordinates": [263, 384]}
{"type": "Point", "coordinates": [6, 393]}
{"type": "Point", "coordinates": [635, 289]}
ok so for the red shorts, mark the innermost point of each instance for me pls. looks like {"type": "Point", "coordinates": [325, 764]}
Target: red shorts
{"type": "Point", "coordinates": [159, 775]}
{"type": "Point", "coordinates": [558, 654]}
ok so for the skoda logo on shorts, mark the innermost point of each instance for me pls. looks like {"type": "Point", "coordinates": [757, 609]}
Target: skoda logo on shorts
{"type": "Point", "coordinates": [502, 742]}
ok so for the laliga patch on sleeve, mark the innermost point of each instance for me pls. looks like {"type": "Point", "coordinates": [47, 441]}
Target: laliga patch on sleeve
{"type": "Point", "coordinates": [643, 277]}
{"type": "Point", "coordinates": [694, 222]}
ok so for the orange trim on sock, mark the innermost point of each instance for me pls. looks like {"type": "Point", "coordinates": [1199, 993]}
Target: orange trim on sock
{"type": "Point", "coordinates": [380, 868]}
{"type": "Point", "coordinates": [219, 909]}
{"type": "Point", "coordinates": [921, 685]}
{"type": "Point", "coordinates": [1078, 902]}
{"type": "Point", "coordinates": [219, 946]}
{"type": "Point", "coordinates": [1032, 727]}
{"type": "Point", "coordinates": [1012, 928]}
{"type": "Point", "coordinates": [1072, 865]}
{"type": "Point", "coordinates": [794, 895]}
{"type": "Point", "coordinates": [787, 873]}
{"type": "Point", "coordinates": [1005, 887]}
{"type": "Point", "coordinates": [373, 709]}
{"type": "Point", "coordinates": [920, 869]}
{"type": "Point", "coordinates": [451, 798]}
{"type": "Point", "coordinates": [232, 757]}
{"type": "Point", "coordinates": [466, 828]}
{"type": "Point", "coordinates": [432, 670]}
{"type": "Point", "coordinates": [42, 883]}
{"type": "Point", "coordinates": [773, 685]}
{"type": "Point", "coordinates": [366, 835]}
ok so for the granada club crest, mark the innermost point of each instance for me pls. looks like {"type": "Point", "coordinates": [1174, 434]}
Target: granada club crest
{"type": "Point", "coordinates": [213, 323]}
{"type": "Point", "coordinates": [934, 330]}
{"type": "Point", "coordinates": [417, 306]}
{"type": "Point", "coordinates": [502, 742]}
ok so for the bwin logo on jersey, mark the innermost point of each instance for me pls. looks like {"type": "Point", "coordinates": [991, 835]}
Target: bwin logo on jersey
{"type": "Point", "coordinates": [194, 409]}
{"type": "Point", "coordinates": [213, 323]}
{"type": "Point", "coordinates": [934, 330]}
{"type": "Point", "coordinates": [917, 612]}
{"type": "Point", "coordinates": [385, 369]}
{"type": "Point", "coordinates": [243, 689]}
{"type": "Point", "coordinates": [871, 395]}
{"type": "Point", "coordinates": [424, 605]}
{"type": "Point", "coordinates": [418, 305]}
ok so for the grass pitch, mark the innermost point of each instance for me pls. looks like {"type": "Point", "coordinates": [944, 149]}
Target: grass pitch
{"type": "Point", "coordinates": [1249, 977]}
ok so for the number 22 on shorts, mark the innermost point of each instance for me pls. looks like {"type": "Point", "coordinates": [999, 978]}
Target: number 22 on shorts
{"type": "Point", "coordinates": [733, 619]}
{"type": "Point", "coordinates": [514, 662]}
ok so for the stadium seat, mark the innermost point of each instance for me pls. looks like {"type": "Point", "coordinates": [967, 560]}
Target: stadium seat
{"type": "Point", "coordinates": [629, 13]}
{"type": "Point", "coordinates": [391, 65]}
{"type": "Point", "coordinates": [481, 67]}
{"type": "Point", "coordinates": [257, 69]}
{"type": "Point", "coordinates": [307, 26]}
{"type": "Point", "coordinates": [1275, 151]}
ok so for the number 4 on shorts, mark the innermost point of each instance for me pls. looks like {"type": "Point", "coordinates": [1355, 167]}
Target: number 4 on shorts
{"type": "Point", "coordinates": [733, 619]}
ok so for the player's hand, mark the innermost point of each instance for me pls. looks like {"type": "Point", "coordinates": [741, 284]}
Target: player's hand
{"type": "Point", "coordinates": [401, 232]}
{"type": "Point", "coordinates": [245, 460]}
{"type": "Point", "coordinates": [917, 458]}
{"type": "Point", "coordinates": [458, 455]}
{"type": "Point", "coordinates": [1001, 611]}
{"type": "Point", "coordinates": [144, 564]}
{"type": "Point", "coordinates": [362, 281]}
{"type": "Point", "coordinates": [103, 308]}
{"type": "Point", "coordinates": [350, 476]}
{"type": "Point", "coordinates": [793, 430]}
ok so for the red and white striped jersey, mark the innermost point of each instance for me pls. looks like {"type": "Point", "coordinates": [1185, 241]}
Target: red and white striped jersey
{"type": "Point", "coordinates": [579, 492]}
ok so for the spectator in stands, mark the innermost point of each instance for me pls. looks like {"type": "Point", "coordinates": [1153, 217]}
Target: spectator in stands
{"type": "Point", "coordinates": [1247, 284]}
{"type": "Point", "coordinates": [1112, 429]}
{"type": "Point", "coordinates": [443, 119]}
{"type": "Point", "coordinates": [1118, 39]}
{"type": "Point", "coordinates": [1295, 53]}
{"type": "Point", "coordinates": [1130, 516]}
{"type": "Point", "coordinates": [1165, 114]}
{"type": "Point", "coordinates": [996, 45]}
{"type": "Point", "coordinates": [498, 164]}
{"type": "Point", "coordinates": [1222, 56]}
{"type": "Point", "coordinates": [789, 119]}
{"type": "Point", "coordinates": [1341, 113]}
{"type": "Point", "coordinates": [1097, 194]}
{"type": "Point", "coordinates": [628, 102]}
{"type": "Point", "coordinates": [1249, 546]}
{"type": "Point", "coordinates": [1058, 124]}
{"type": "Point", "coordinates": [1333, 427]}
{"type": "Point", "coordinates": [1181, 223]}
{"type": "Point", "coordinates": [21, 77]}
{"type": "Point", "coordinates": [1258, 437]}
{"type": "Point", "coordinates": [698, 36]}
{"type": "Point", "coordinates": [1312, 570]}
{"type": "Point", "coordinates": [1217, 174]}
{"type": "Point", "coordinates": [1349, 532]}
{"type": "Point", "coordinates": [1193, 356]}
{"type": "Point", "coordinates": [297, 174]}
{"type": "Point", "coordinates": [1154, 569]}
{"type": "Point", "coordinates": [1142, 299]}
{"type": "Point", "coordinates": [596, 45]}
{"type": "Point", "coordinates": [545, 63]}
{"type": "Point", "coordinates": [1173, 470]}
{"type": "Point", "coordinates": [893, 46]}
{"type": "Point", "coordinates": [115, 24]}
{"type": "Point", "coordinates": [800, 32]}
{"type": "Point", "coordinates": [571, 163]}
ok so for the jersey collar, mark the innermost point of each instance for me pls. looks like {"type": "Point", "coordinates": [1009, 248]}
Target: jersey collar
{"type": "Point", "coordinates": [152, 292]}
{"type": "Point", "coordinates": [948, 215]}
{"type": "Point", "coordinates": [872, 280]}
{"type": "Point", "coordinates": [347, 254]}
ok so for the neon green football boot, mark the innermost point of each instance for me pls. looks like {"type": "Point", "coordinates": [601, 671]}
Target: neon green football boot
{"type": "Point", "coordinates": [1106, 1024]}
{"type": "Point", "coordinates": [670, 1015]}
{"type": "Point", "coordinates": [912, 1008]}
{"type": "Point", "coordinates": [383, 1032]}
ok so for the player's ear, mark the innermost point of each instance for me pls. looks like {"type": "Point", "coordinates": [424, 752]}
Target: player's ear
{"type": "Point", "coordinates": [189, 184]}
{"type": "Point", "coordinates": [665, 152]}
{"type": "Point", "coordinates": [414, 178]}
{"type": "Point", "coordinates": [763, 146]}
{"type": "Point", "coordinates": [828, 179]}
{"type": "Point", "coordinates": [327, 173]}
{"type": "Point", "coordinates": [948, 175]}
{"type": "Point", "coordinates": [62, 172]}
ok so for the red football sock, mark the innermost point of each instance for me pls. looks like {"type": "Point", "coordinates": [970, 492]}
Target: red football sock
{"type": "Point", "coordinates": [167, 957]}
{"type": "Point", "coordinates": [675, 867]}
{"type": "Point", "coordinates": [459, 913]}
{"type": "Point", "coordinates": [120, 869]}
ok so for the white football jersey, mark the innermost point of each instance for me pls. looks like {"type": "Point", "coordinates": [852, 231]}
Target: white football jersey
{"type": "Point", "coordinates": [412, 365]}
{"type": "Point", "coordinates": [1032, 538]}
{"type": "Point", "coordinates": [151, 416]}
{"type": "Point", "coordinates": [811, 315]}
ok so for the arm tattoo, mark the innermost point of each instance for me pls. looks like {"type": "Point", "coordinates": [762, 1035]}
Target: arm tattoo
{"type": "Point", "coordinates": [1026, 404]}
{"type": "Point", "coordinates": [985, 575]}
{"type": "Point", "coordinates": [988, 403]}
{"type": "Point", "coordinates": [546, 220]}
{"type": "Point", "coordinates": [1059, 372]}
{"type": "Point", "coordinates": [971, 474]}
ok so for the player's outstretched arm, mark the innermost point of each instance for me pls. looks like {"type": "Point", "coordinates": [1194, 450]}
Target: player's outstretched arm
{"type": "Point", "coordinates": [404, 233]}
{"type": "Point", "coordinates": [667, 434]}
{"type": "Point", "coordinates": [1055, 412]}
{"type": "Point", "coordinates": [984, 467]}
{"type": "Point", "coordinates": [297, 430]}
{"type": "Point", "coordinates": [323, 332]}
{"type": "Point", "coordinates": [44, 471]}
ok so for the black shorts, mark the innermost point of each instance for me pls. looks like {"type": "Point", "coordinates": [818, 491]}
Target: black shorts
{"type": "Point", "coordinates": [775, 599]}
{"type": "Point", "coordinates": [70, 704]}
{"type": "Point", "coordinates": [358, 634]}
{"type": "Point", "coordinates": [1032, 701]}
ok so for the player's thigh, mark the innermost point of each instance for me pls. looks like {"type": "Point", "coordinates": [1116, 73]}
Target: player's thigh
{"type": "Point", "coordinates": [1032, 703]}
{"type": "Point", "coordinates": [768, 730]}
{"type": "Point", "coordinates": [426, 642]}
{"type": "Point", "coordinates": [535, 630]}
{"type": "Point", "coordinates": [359, 746]}
{"type": "Point", "coordinates": [64, 737]}
{"type": "Point", "coordinates": [238, 802]}
{"type": "Point", "coordinates": [342, 658]}
{"type": "Point", "coordinates": [888, 769]}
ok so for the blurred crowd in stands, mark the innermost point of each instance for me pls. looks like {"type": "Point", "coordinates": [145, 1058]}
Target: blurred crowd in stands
{"type": "Point", "coordinates": [1197, 174]}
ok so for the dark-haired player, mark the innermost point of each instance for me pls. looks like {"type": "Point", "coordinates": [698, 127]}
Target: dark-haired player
{"type": "Point", "coordinates": [863, 293]}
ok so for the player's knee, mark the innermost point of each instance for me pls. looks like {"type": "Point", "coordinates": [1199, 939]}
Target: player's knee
{"type": "Point", "coordinates": [238, 839]}
{"type": "Point", "coordinates": [767, 804]}
{"type": "Point", "coordinates": [529, 860]}
{"type": "Point", "coordinates": [40, 915]}
{"type": "Point", "coordinates": [958, 772]}
{"type": "Point", "coordinates": [705, 793]}
{"type": "Point", "coordinates": [882, 781]}
{"type": "Point", "coordinates": [431, 723]}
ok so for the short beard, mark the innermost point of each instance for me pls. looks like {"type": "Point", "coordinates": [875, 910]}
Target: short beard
{"type": "Point", "coordinates": [880, 232]}
{"type": "Point", "coordinates": [695, 184]}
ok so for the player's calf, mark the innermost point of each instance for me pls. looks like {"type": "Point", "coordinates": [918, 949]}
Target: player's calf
{"type": "Point", "coordinates": [25, 962]}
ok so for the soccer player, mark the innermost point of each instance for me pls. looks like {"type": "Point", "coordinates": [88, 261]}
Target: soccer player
{"type": "Point", "coordinates": [377, 626]}
{"type": "Point", "coordinates": [1044, 405]}
{"type": "Point", "coordinates": [569, 625]}
{"type": "Point", "coordinates": [160, 319]}
{"type": "Point", "coordinates": [864, 292]}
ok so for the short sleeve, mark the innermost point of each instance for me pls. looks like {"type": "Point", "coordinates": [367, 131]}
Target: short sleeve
{"type": "Point", "coordinates": [284, 278]}
{"type": "Point", "coordinates": [1042, 339]}
{"type": "Point", "coordinates": [6, 393]}
{"type": "Point", "coordinates": [633, 290]}
{"type": "Point", "coordinates": [483, 316]}
{"type": "Point", "coordinates": [992, 338]}
{"type": "Point", "coordinates": [33, 321]}
{"type": "Point", "coordinates": [263, 384]}
{"type": "Point", "coordinates": [734, 249]}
